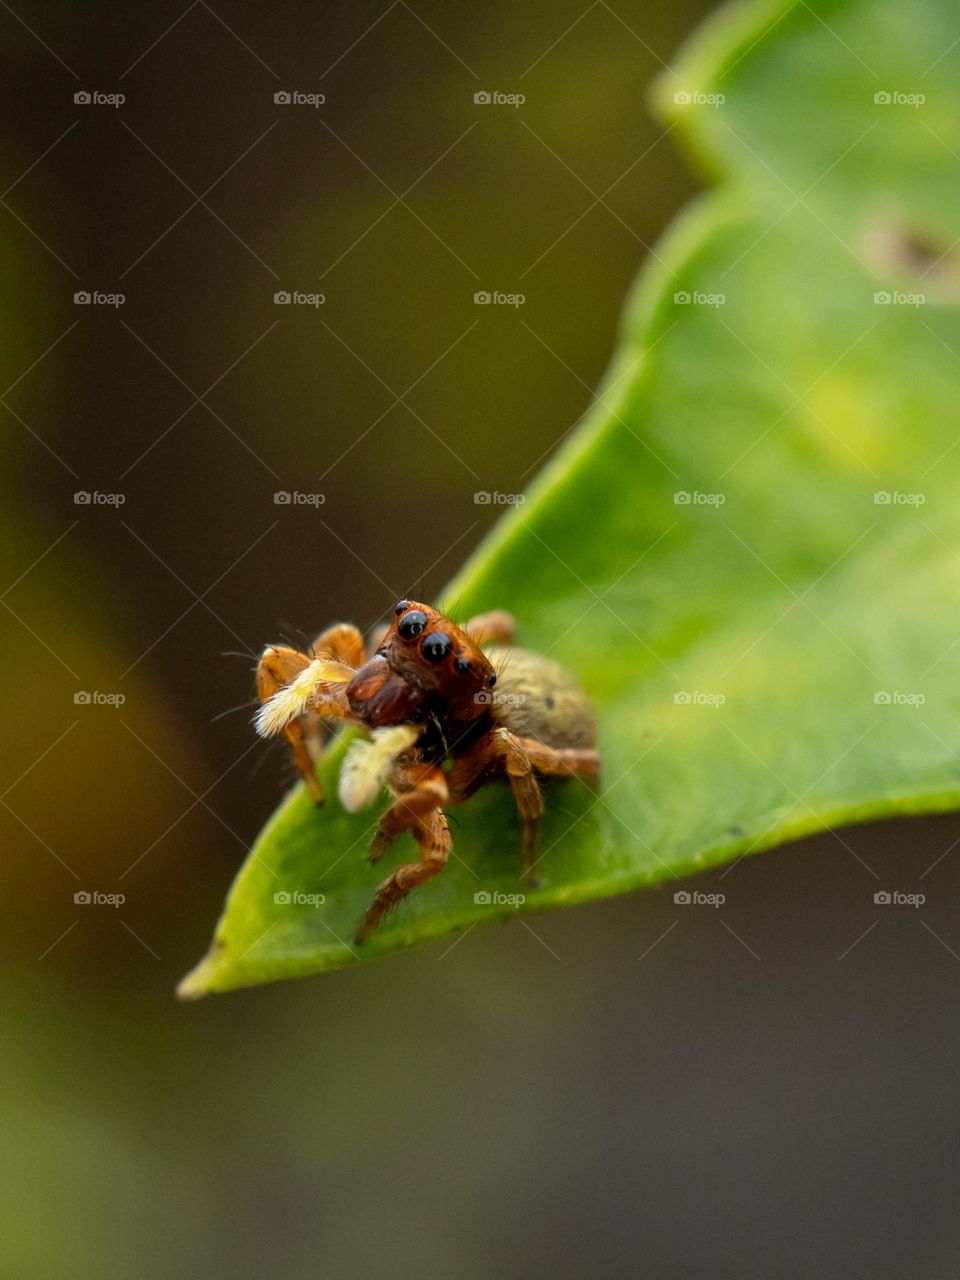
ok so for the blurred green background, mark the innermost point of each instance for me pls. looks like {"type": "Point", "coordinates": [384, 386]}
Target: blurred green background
{"type": "Point", "coordinates": [616, 1085]}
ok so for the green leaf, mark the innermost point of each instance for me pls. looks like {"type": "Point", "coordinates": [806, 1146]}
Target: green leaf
{"type": "Point", "coordinates": [779, 653]}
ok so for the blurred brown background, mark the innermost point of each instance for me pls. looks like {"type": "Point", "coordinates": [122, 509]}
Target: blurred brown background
{"type": "Point", "coordinates": [625, 1085]}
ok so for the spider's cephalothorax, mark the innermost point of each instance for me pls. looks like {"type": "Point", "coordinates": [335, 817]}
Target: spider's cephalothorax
{"type": "Point", "coordinates": [425, 671]}
{"type": "Point", "coordinates": [442, 721]}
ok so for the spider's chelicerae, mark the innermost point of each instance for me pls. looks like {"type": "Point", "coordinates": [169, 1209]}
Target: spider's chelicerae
{"type": "Point", "coordinates": [441, 722]}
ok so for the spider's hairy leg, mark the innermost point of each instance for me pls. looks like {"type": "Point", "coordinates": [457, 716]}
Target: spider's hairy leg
{"type": "Point", "coordinates": [496, 627]}
{"type": "Point", "coordinates": [290, 685]}
{"type": "Point", "coordinates": [526, 794]}
{"type": "Point", "coordinates": [518, 758]}
{"type": "Point", "coordinates": [555, 762]}
{"type": "Point", "coordinates": [342, 642]}
{"type": "Point", "coordinates": [420, 791]}
{"type": "Point", "coordinates": [563, 762]}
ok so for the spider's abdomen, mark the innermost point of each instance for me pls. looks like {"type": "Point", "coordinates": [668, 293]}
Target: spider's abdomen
{"type": "Point", "coordinates": [536, 697]}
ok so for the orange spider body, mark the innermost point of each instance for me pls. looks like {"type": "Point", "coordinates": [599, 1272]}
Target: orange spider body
{"type": "Point", "coordinates": [450, 692]}
{"type": "Point", "coordinates": [442, 722]}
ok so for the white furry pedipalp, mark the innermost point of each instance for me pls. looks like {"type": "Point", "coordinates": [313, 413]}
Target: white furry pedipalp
{"type": "Point", "coordinates": [367, 762]}
{"type": "Point", "coordinates": [291, 701]}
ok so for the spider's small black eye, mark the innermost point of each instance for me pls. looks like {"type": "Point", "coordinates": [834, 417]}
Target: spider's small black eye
{"type": "Point", "coordinates": [461, 666]}
{"type": "Point", "coordinates": [401, 607]}
{"type": "Point", "coordinates": [436, 646]}
{"type": "Point", "coordinates": [492, 681]}
{"type": "Point", "coordinates": [412, 624]}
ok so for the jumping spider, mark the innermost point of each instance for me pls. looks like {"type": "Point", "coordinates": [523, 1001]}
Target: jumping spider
{"type": "Point", "coordinates": [437, 730]}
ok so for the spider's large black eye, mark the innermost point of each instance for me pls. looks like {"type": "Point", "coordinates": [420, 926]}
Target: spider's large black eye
{"type": "Point", "coordinates": [401, 607]}
{"type": "Point", "coordinates": [412, 624]}
{"type": "Point", "coordinates": [492, 681]}
{"type": "Point", "coordinates": [436, 646]}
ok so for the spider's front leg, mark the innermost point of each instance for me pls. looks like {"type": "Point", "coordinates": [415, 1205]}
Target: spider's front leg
{"type": "Point", "coordinates": [521, 759]}
{"type": "Point", "coordinates": [524, 758]}
{"type": "Point", "coordinates": [496, 627]}
{"type": "Point", "coordinates": [420, 791]}
{"type": "Point", "coordinates": [294, 690]}
{"type": "Point", "coordinates": [503, 752]}
{"type": "Point", "coordinates": [341, 642]}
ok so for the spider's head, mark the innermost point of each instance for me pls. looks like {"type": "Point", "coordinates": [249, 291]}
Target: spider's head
{"type": "Point", "coordinates": [439, 660]}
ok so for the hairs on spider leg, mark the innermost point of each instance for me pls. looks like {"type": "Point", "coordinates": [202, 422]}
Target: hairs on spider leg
{"type": "Point", "coordinates": [307, 645]}
{"type": "Point", "coordinates": [295, 637]}
{"type": "Point", "coordinates": [242, 706]}
{"type": "Point", "coordinates": [235, 653]}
